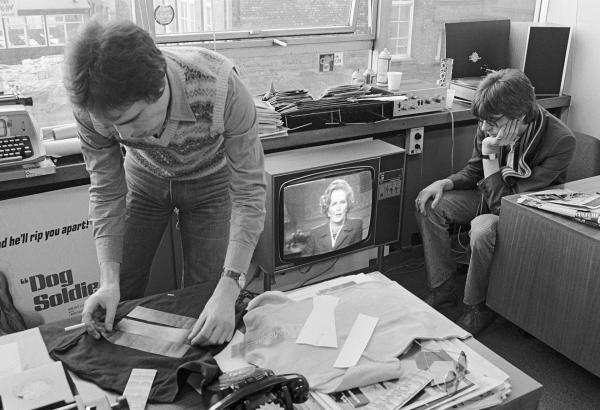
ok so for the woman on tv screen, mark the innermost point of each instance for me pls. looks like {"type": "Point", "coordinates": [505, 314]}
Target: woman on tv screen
{"type": "Point", "coordinates": [339, 231]}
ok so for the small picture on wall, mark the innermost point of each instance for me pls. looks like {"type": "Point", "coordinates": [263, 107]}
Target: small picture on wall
{"type": "Point", "coordinates": [326, 62]}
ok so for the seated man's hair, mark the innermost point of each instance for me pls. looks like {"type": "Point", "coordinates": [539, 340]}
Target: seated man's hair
{"type": "Point", "coordinates": [111, 65]}
{"type": "Point", "coordinates": [505, 92]}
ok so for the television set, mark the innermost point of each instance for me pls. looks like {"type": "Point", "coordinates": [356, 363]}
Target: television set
{"type": "Point", "coordinates": [324, 202]}
{"type": "Point", "coordinates": [477, 46]}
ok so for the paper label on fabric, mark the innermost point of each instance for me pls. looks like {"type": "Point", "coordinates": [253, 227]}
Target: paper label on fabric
{"type": "Point", "coordinates": [147, 344]}
{"type": "Point", "coordinates": [231, 357]}
{"type": "Point", "coordinates": [166, 333]}
{"type": "Point", "coordinates": [357, 341]}
{"type": "Point", "coordinates": [138, 388]}
{"type": "Point", "coordinates": [163, 318]}
{"type": "Point", "coordinates": [319, 328]}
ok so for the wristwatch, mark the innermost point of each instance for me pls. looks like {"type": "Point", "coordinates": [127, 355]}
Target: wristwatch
{"type": "Point", "coordinates": [238, 277]}
{"type": "Point", "coordinates": [489, 156]}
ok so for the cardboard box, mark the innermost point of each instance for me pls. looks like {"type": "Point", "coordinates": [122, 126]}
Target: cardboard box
{"type": "Point", "coordinates": [48, 254]}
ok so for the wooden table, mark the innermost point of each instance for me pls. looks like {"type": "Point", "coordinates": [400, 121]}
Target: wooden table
{"type": "Point", "coordinates": [545, 277]}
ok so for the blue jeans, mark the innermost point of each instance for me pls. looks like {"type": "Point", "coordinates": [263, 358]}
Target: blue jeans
{"type": "Point", "coordinates": [204, 211]}
{"type": "Point", "coordinates": [458, 207]}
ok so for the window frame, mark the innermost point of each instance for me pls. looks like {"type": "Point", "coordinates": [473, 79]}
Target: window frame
{"type": "Point", "coordinates": [144, 16]}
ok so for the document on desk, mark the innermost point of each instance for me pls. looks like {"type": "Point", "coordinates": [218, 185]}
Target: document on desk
{"type": "Point", "coordinates": [10, 359]}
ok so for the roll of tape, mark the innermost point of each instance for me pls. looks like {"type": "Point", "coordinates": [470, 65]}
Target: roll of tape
{"type": "Point", "coordinates": [62, 148]}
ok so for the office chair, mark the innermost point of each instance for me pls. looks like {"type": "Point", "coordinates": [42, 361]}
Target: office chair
{"type": "Point", "coordinates": [586, 160]}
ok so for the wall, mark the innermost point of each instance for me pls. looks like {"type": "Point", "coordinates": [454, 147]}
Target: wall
{"type": "Point", "coordinates": [584, 56]}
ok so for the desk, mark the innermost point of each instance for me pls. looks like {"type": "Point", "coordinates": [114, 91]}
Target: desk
{"type": "Point", "coordinates": [545, 277]}
{"type": "Point", "coordinates": [526, 392]}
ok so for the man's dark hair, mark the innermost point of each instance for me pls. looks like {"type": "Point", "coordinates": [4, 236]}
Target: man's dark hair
{"type": "Point", "coordinates": [111, 65]}
{"type": "Point", "coordinates": [505, 92]}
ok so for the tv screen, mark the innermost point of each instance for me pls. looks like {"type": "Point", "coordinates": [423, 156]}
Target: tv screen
{"type": "Point", "coordinates": [324, 212]}
{"type": "Point", "coordinates": [477, 46]}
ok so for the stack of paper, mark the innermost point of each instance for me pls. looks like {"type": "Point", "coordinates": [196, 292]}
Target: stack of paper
{"type": "Point", "coordinates": [579, 206]}
{"type": "Point", "coordinates": [483, 386]}
{"type": "Point", "coordinates": [269, 120]}
{"type": "Point", "coordinates": [287, 101]}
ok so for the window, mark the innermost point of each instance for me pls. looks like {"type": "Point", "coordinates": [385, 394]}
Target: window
{"type": "Point", "coordinates": [197, 20]}
{"type": "Point", "coordinates": [400, 28]}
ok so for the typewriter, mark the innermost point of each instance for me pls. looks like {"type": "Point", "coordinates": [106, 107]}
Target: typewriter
{"type": "Point", "coordinates": [19, 141]}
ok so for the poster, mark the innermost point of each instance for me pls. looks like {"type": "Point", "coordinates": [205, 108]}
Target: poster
{"type": "Point", "coordinates": [48, 254]}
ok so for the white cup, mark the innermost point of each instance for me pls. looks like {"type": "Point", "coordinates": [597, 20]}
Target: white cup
{"type": "Point", "coordinates": [394, 79]}
{"type": "Point", "coordinates": [450, 97]}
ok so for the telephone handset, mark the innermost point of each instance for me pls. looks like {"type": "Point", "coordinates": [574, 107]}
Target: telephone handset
{"type": "Point", "coordinates": [282, 390]}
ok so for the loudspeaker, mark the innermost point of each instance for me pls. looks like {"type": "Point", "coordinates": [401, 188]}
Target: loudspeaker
{"type": "Point", "coordinates": [540, 51]}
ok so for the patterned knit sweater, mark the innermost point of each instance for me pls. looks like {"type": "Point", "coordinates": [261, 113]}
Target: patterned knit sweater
{"type": "Point", "coordinates": [195, 148]}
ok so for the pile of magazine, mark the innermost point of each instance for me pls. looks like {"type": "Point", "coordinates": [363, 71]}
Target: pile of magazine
{"type": "Point", "coordinates": [579, 206]}
{"type": "Point", "coordinates": [424, 384]}
{"type": "Point", "coordinates": [269, 120]}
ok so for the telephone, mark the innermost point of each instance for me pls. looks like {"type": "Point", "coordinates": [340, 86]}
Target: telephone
{"type": "Point", "coordinates": [265, 388]}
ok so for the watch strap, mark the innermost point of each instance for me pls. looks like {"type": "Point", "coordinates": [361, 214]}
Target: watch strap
{"type": "Point", "coordinates": [239, 277]}
{"type": "Point", "coordinates": [493, 156]}
{"type": "Point", "coordinates": [231, 274]}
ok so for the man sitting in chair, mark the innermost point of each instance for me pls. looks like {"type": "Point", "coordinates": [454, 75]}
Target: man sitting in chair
{"type": "Point", "coordinates": [518, 147]}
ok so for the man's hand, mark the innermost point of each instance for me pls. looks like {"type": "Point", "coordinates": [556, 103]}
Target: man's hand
{"type": "Point", "coordinates": [106, 297]}
{"type": "Point", "coordinates": [435, 190]}
{"type": "Point", "coordinates": [217, 321]}
{"type": "Point", "coordinates": [507, 135]}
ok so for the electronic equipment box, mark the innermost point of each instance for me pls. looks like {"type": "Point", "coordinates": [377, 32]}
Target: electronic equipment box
{"type": "Point", "coordinates": [419, 101]}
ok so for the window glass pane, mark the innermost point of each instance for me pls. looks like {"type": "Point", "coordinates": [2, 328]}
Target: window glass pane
{"type": "Point", "coordinates": [56, 30]}
{"type": "Point", "coordinates": [16, 31]}
{"type": "Point", "coordinates": [36, 35]}
{"type": "Point", "coordinates": [204, 16]}
{"type": "Point", "coordinates": [31, 56]}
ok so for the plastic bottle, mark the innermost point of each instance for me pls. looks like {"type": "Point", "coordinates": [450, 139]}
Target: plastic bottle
{"type": "Point", "coordinates": [383, 66]}
{"type": "Point", "coordinates": [369, 76]}
{"type": "Point", "coordinates": [357, 77]}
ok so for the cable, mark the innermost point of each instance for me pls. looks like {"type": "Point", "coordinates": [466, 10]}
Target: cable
{"type": "Point", "coordinates": [311, 267]}
{"type": "Point", "coordinates": [452, 135]}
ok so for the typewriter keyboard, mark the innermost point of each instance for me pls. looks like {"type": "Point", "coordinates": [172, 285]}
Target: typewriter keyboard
{"type": "Point", "coordinates": [15, 148]}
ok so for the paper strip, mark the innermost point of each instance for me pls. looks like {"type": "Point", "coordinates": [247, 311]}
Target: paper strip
{"type": "Point", "coordinates": [357, 341]}
{"type": "Point", "coordinates": [319, 328]}
{"type": "Point", "coordinates": [163, 318]}
{"type": "Point", "coordinates": [138, 388]}
{"type": "Point", "coordinates": [166, 333]}
{"type": "Point", "coordinates": [147, 344]}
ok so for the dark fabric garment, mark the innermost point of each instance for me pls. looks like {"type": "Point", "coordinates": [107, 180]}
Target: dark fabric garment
{"type": "Point", "coordinates": [109, 365]}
